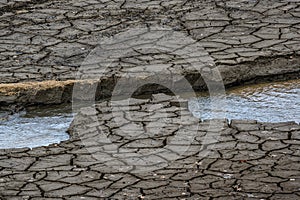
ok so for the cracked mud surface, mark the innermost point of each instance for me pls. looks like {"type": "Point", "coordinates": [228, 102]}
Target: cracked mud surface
{"type": "Point", "coordinates": [49, 40]}
{"type": "Point", "coordinates": [42, 40]}
{"type": "Point", "coordinates": [249, 160]}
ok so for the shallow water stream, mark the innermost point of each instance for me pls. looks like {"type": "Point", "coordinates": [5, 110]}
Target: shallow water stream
{"type": "Point", "coordinates": [270, 102]}
{"type": "Point", "coordinates": [39, 126]}
{"type": "Point", "coordinates": [267, 102]}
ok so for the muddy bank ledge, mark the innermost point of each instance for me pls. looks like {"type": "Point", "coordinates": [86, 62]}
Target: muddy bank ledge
{"type": "Point", "coordinates": [57, 92]}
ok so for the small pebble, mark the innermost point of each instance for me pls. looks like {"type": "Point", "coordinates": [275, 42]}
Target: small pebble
{"type": "Point", "coordinates": [250, 195]}
{"type": "Point", "coordinates": [30, 180]}
{"type": "Point", "coordinates": [79, 169]}
{"type": "Point", "coordinates": [227, 176]}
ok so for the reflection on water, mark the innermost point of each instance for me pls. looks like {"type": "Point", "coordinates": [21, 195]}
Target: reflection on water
{"type": "Point", "coordinates": [269, 102]}
{"type": "Point", "coordinates": [36, 127]}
